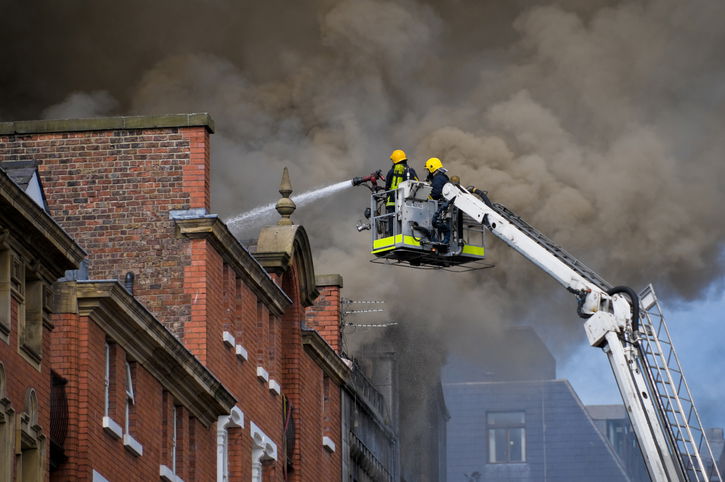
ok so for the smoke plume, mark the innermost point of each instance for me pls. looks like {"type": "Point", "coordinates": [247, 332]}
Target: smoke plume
{"type": "Point", "coordinates": [599, 124]}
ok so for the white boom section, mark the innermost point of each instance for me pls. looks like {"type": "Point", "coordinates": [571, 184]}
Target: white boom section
{"type": "Point", "coordinates": [511, 235]}
{"type": "Point", "coordinates": [607, 327]}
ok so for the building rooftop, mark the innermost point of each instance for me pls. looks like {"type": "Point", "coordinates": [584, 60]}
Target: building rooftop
{"type": "Point", "coordinates": [606, 412]}
{"type": "Point", "coordinates": [107, 123]}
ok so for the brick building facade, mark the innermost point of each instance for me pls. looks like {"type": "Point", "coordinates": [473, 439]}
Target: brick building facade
{"type": "Point", "coordinates": [369, 427]}
{"type": "Point", "coordinates": [34, 252]}
{"type": "Point", "coordinates": [177, 353]}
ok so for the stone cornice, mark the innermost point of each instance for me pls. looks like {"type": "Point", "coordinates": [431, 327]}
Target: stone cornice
{"type": "Point", "coordinates": [212, 229]}
{"type": "Point", "coordinates": [328, 280]}
{"type": "Point", "coordinates": [276, 262]}
{"type": "Point", "coordinates": [325, 356]}
{"type": "Point", "coordinates": [107, 123]}
{"type": "Point", "coordinates": [334, 367]}
{"type": "Point", "coordinates": [57, 251]}
{"type": "Point", "coordinates": [149, 343]}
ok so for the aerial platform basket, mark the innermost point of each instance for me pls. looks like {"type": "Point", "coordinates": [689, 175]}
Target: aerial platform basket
{"type": "Point", "coordinates": [407, 235]}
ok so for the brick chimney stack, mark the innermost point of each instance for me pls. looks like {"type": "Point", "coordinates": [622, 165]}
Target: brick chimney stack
{"type": "Point", "coordinates": [324, 315]}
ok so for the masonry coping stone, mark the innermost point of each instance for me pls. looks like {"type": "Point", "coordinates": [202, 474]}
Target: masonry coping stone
{"type": "Point", "coordinates": [328, 280]}
{"type": "Point", "coordinates": [108, 123]}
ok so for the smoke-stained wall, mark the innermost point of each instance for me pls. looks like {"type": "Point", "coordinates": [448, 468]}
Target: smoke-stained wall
{"type": "Point", "coordinates": [599, 124]}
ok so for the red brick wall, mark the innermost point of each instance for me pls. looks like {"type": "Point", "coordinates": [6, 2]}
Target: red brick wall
{"type": "Point", "coordinates": [309, 424]}
{"type": "Point", "coordinates": [112, 191]}
{"type": "Point", "coordinates": [332, 427]}
{"type": "Point", "coordinates": [88, 446]}
{"type": "Point", "coordinates": [20, 376]}
{"type": "Point", "coordinates": [291, 366]}
{"type": "Point", "coordinates": [304, 387]}
{"type": "Point", "coordinates": [196, 331]}
{"type": "Point", "coordinates": [230, 305]}
{"type": "Point", "coordinates": [64, 357]}
{"type": "Point", "coordinates": [324, 315]}
{"type": "Point", "coordinates": [66, 346]}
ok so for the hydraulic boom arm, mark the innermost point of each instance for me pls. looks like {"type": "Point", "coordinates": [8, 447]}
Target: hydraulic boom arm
{"type": "Point", "coordinates": [612, 323]}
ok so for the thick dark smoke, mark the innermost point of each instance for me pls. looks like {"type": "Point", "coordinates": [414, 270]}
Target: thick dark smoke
{"type": "Point", "coordinates": [600, 124]}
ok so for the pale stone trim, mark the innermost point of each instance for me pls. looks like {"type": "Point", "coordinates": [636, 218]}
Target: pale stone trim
{"type": "Point", "coordinates": [328, 444]}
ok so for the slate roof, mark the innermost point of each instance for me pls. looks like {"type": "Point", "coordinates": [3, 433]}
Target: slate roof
{"type": "Point", "coordinates": [21, 172]}
{"type": "Point", "coordinates": [562, 443]}
{"type": "Point", "coordinates": [604, 412]}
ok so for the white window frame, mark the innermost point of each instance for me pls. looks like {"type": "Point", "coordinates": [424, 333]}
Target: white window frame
{"type": "Point", "coordinates": [97, 477]}
{"type": "Point", "coordinates": [109, 425]}
{"type": "Point", "coordinates": [235, 419]}
{"type": "Point", "coordinates": [263, 449]}
{"type": "Point", "coordinates": [128, 440]}
{"type": "Point", "coordinates": [508, 428]}
{"type": "Point", "coordinates": [168, 473]}
{"type": "Point", "coordinates": [174, 415]}
{"type": "Point", "coordinates": [130, 398]}
{"type": "Point", "coordinates": [107, 381]}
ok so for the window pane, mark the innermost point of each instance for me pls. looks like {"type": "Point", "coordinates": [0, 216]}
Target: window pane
{"type": "Point", "coordinates": [127, 423]}
{"type": "Point", "coordinates": [503, 419]}
{"type": "Point", "coordinates": [517, 445]}
{"type": "Point", "coordinates": [107, 381]}
{"type": "Point", "coordinates": [173, 439]}
{"type": "Point", "coordinates": [129, 383]}
{"type": "Point", "coordinates": [497, 445]}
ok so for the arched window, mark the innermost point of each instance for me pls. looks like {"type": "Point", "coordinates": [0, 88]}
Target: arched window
{"type": "Point", "coordinates": [264, 450]}
{"type": "Point", "coordinates": [225, 423]}
{"type": "Point", "coordinates": [32, 441]}
{"type": "Point", "coordinates": [6, 291]}
{"type": "Point", "coordinates": [3, 396]}
{"type": "Point", "coordinates": [31, 407]}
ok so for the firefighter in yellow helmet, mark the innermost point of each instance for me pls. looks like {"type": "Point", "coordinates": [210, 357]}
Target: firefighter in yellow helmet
{"type": "Point", "coordinates": [438, 178]}
{"type": "Point", "coordinates": [398, 173]}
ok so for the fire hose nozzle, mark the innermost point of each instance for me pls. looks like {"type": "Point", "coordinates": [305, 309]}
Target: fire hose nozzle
{"type": "Point", "coordinates": [362, 226]}
{"type": "Point", "coordinates": [373, 179]}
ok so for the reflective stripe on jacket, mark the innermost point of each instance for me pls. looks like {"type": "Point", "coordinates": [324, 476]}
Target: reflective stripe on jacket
{"type": "Point", "coordinates": [398, 173]}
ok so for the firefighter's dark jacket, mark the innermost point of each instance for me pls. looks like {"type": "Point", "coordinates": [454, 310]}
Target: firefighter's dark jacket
{"type": "Point", "coordinates": [398, 173]}
{"type": "Point", "coordinates": [437, 181]}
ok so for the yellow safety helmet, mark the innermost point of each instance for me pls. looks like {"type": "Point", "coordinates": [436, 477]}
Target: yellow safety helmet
{"type": "Point", "coordinates": [398, 156]}
{"type": "Point", "coordinates": [433, 164]}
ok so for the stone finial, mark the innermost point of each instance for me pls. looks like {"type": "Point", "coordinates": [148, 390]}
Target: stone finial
{"type": "Point", "coordinates": [285, 206]}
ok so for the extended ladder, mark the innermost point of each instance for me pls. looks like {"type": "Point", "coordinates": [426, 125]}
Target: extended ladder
{"type": "Point", "coordinates": [667, 384]}
{"type": "Point", "coordinates": [667, 381]}
{"type": "Point", "coordinates": [552, 247]}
